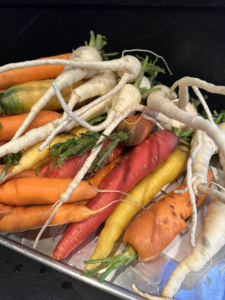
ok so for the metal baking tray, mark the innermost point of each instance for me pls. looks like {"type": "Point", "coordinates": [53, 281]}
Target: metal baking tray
{"type": "Point", "coordinates": [149, 276]}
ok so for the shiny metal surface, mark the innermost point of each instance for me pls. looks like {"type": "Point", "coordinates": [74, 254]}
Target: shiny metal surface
{"type": "Point", "coordinates": [149, 276]}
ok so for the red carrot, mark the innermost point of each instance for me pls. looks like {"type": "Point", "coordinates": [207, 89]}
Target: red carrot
{"type": "Point", "coordinates": [136, 164]}
{"type": "Point", "coordinates": [73, 164]}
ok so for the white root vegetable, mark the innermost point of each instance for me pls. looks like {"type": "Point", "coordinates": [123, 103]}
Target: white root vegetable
{"type": "Point", "coordinates": [68, 77]}
{"type": "Point", "coordinates": [115, 110]}
{"type": "Point", "coordinates": [145, 83]}
{"type": "Point", "coordinates": [161, 104]}
{"type": "Point", "coordinates": [222, 157]}
{"type": "Point", "coordinates": [208, 243]}
{"type": "Point", "coordinates": [183, 84]}
{"type": "Point", "coordinates": [99, 84]}
{"type": "Point", "coordinates": [194, 151]}
{"type": "Point", "coordinates": [41, 133]}
{"type": "Point", "coordinates": [128, 69]}
{"type": "Point", "coordinates": [72, 186]}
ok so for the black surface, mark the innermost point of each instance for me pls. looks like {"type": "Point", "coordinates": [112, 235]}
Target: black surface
{"type": "Point", "coordinates": [24, 278]}
{"type": "Point", "coordinates": [188, 34]}
{"type": "Point", "coordinates": [191, 39]}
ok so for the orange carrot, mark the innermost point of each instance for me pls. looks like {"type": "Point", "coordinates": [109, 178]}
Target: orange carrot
{"type": "Point", "coordinates": [153, 230]}
{"type": "Point", "coordinates": [42, 190]}
{"type": "Point", "coordinates": [24, 174]}
{"type": "Point", "coordinates": [18, 76]}
{"type": "Point", "coordinates": [10, 124]}
{"type": "Point", "coordinates": [100, 174]}
{"type": "Point", "coordinates": [16, 219]}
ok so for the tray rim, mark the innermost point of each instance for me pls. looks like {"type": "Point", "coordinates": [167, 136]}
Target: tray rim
{"type": "Point", "coordinates": [68, 270]}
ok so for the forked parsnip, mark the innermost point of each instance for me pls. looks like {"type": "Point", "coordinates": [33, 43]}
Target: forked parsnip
{"type": "Point", "coordinates": [160, 103]}
{"type": "Point", "coordinates": [183, 84]}
{"type": "Point", "coordinates": [168, 123]}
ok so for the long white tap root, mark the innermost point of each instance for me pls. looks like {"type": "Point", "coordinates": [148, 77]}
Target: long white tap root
{"type": "Point", "coordinates": [189, 81]}
{"type": "Point", "coordinates": [161, 104]}
{"type": "Point", "coordinates": [194, 151]}
{"type": "Point", "coordinates": [221, 156]}
{"type": "Point", "coordinates": [73, 185]}
{"type": "Point", "coordinates": [68, 77]}
{"type": "Point", "coordinates": [201, 161]}
{"type": "Point", "coordinates": [41, 133]}
{"type": "Point", "coordinates": [204, 104]}
{"type": "Point", "coordinates": [208, 243]}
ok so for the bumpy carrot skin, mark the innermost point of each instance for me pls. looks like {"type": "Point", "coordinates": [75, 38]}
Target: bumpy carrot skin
{"type": "Point", "coordinates": [38, 190]}
{"type": "Point", "coordinates": [143, 192]}
{"type": "Point", "coordinates": [137, 129]}
{"type": "Point", "coordinates": [19, 76]}
{"type": "Point", "coordinates": [18, 219]}
{"type": "Point", "coordinates": [152, 231]}
{"type": "Point", "coordinates": [155, 228]}
{"type": "Point", "coordinates": [136, 164]}
{"type": "Point", "coordinates": [10, 124]}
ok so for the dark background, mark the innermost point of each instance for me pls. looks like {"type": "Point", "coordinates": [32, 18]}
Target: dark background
{"type": "Point", "coordinates": [188, 34]}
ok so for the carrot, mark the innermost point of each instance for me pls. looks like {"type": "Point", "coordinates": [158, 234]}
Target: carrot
{"type": "Point", "coordinates": [69, 168]}
{"type": "Point", "coordinates": [10, 124]}
{"type": "Point", "coordinates": [16, 219]}
{"type": "Point", "coordinates": [24, 174]}
{"type": "Point", "coordinates": [143, 192]}
{"type": "Point", "coordinates": [153, 230]}
{"type": "Point", "coordinates": [38, 190]}
{"type": "Point", "coordinates": [18, 76]}
{"type": "Point", "coordinates": [136, 128]}
{"type": "Point", "coordinates": [100, 174]}
{"type": "Point", "coordinates": [136, 164]}
{"type": "Point", "coordinates": [20, 98]}
{"type": "Point", "coordinates": [73, 164]}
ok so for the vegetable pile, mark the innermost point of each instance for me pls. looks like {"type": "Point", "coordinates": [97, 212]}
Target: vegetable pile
{"type": "Point", "coordinates": [127, 137]}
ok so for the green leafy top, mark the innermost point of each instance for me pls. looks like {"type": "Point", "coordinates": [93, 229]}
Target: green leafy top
{"type": "Point", "coordinates": [99, 42]}
{"type": "Point", "coordinates": [8, 160]}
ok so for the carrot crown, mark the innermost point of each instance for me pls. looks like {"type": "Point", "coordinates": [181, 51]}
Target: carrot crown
{"type": "Point", "coordinates": [111, 263]}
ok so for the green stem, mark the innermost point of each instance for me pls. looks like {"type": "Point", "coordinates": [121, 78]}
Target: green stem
{"type": "Point", "coordinates": [128, 254]}
{"type": "Point", "coordinates": [140, 76]}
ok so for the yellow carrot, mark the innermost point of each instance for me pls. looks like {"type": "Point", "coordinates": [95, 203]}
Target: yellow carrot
{"type": "Point", "coordinates": [20, 98]}
{"type": "Point", "coordinates": [143, 192]}
{"type": "Point", "coordinates": [32, 156]}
